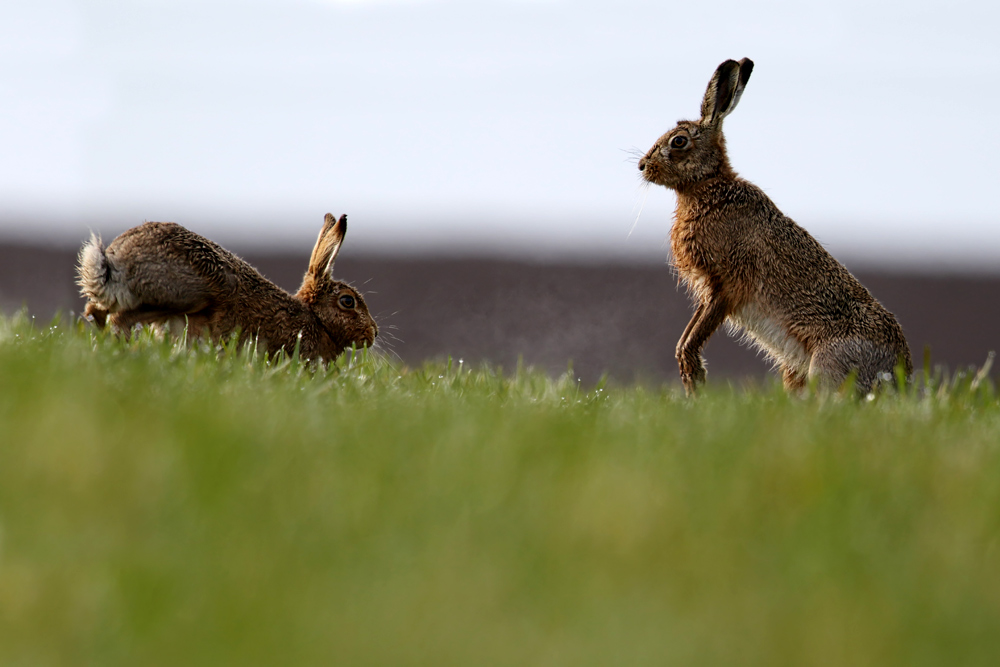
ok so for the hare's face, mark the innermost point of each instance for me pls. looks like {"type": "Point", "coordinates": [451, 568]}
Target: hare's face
{"type": "Point", "coordinates": [344, 314]}
{"type": "Point", "coordinates": [684, 155]}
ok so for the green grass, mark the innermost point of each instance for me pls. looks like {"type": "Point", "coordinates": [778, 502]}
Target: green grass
{"type": "Point", "coordinates": [163, 505]}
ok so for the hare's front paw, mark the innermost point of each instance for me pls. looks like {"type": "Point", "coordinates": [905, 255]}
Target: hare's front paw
{"type": "Point", "coordinates": [692, 373]}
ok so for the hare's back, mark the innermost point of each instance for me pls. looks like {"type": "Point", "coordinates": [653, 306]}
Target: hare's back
{"type": "Point", "coordinates": [167, 266]}
{"type": "Point", "coordinates": [801, 276]}
{"type": "Point", "coordinates": [816, 298]}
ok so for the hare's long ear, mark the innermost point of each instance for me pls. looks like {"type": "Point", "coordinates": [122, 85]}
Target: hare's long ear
{"type": "Point", "coordinates": [331, 237]}
{"type": "Point", "coordinates": [724, 90]}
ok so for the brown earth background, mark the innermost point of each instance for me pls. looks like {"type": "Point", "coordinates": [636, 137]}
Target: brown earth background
{"type": "Point", "coordinates": [619, 319]}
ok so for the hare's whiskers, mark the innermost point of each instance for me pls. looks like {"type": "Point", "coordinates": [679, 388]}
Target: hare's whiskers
{"type": "Point", "coordinates": [638, 215]}
{"type": "Point", "coordinates": [634, 154]}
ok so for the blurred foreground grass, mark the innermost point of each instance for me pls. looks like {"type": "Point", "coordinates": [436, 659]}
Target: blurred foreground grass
{"type": "Point", "coordinates": [164, 506]}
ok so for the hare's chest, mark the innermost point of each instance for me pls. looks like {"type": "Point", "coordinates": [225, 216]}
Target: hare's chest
{"type": "Point", "coordinates": [697, 259]}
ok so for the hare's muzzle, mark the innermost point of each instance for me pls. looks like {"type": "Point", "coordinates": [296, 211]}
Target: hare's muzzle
{"type": "Point", "coordinates": [642, 164]}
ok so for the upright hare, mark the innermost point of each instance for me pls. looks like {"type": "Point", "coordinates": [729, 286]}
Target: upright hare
{"type": "Point", "coordinates": [746, 263]}
{"type": "Point", "coordinates": [161, 273]}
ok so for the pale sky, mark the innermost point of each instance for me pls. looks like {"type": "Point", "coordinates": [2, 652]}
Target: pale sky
{"type": "Point", "coordinates": [495, 126]}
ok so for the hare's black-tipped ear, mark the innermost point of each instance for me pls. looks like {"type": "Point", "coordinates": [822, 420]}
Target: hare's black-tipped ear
{"type": "Point", "coordinates": [746, 69]}
{"type": "Point", "coordinates": [724, 90]}
{"type": "Point", "coordinates": [331, 237]}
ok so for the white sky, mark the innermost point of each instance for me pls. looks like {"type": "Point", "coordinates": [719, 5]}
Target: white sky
{"type": "Point", "coordinates": [496, 126]}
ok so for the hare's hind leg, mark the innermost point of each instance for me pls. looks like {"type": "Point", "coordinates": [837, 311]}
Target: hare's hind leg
{"type": "Point", "coordinates": [167, 321]}
{"type": "Point", "coordinates": [101, 283]}
{"type": "Point", "coordinates": [96, 314]}
{"type": "Point", "coordinates": [123, 322]}
{"type": "Point", "coordinates": [834, 362]}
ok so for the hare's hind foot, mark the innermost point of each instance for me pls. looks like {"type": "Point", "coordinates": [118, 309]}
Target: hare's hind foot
{"type": "Point", "coordinates": [871, 364]}
{"type": "Point", "coordinates": [94, 313]}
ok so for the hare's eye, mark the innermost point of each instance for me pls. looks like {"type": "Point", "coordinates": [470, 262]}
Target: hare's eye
{"type": "Point", "coordinates": [678, 142]}
{"type": "Point", "coordinates": [347, 301]}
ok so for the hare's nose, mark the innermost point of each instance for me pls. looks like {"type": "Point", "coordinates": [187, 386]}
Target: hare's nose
{"type": "Point", "coordinates": [642, 164]}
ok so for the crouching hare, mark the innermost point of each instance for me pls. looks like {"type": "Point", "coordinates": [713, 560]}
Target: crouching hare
{"type": "Point", "coordinates": [161, 273]}
{"type": "Point", "coordinates": [747, 264]}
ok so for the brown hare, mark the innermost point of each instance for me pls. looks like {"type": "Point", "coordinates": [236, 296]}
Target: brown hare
{"type": "Point", "coordinates": [161, 273]}
{"type": "Point", "coordinates": [747, 264]}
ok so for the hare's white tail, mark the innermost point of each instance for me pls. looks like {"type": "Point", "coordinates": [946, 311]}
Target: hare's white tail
{"type": "Point", "coordinates": [98, 280]}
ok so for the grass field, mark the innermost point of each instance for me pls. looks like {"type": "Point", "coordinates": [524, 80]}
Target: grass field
{"type": "Point", "coordinates": [163, 505]}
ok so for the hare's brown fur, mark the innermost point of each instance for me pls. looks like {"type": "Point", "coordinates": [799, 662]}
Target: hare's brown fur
{"type": "Point", "coordinates": [751, 266]}
{"type": "Point", "coordinates": [161, 273]}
